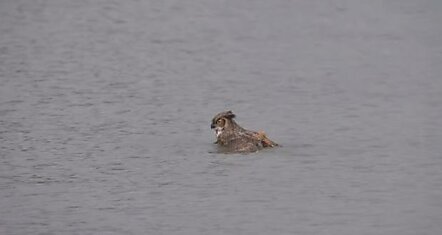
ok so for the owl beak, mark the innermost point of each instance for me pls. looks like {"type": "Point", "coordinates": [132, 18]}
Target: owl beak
{"type": "Point", "coordinates": [212, 126]}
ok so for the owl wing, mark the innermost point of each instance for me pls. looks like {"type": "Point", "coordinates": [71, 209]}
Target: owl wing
{"type": "Point", "coordinates": [261, 137]}
{"type": "Point", "coordinates": [244, 144]}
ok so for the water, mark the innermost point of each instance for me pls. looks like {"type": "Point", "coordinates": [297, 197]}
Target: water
{"type": "Point", "coordinates": [105, 109]}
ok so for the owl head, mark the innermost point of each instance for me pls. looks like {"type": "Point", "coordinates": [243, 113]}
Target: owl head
{"type": "Point", "coordinates": [222, 121]}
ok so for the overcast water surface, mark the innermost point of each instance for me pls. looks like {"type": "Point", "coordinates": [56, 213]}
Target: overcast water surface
{"type": "Point", "coordinates": [105, 110]}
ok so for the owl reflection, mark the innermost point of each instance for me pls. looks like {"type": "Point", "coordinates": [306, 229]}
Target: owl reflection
{"type": "Point", "coordinates": [233, 138]}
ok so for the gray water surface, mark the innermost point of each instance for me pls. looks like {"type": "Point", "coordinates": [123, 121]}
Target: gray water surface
{"type": "Point", "coordinates": [105, 110]}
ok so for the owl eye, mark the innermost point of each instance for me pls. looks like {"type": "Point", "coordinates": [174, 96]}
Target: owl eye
{"type": "Point", "coordinates": [219, 121]}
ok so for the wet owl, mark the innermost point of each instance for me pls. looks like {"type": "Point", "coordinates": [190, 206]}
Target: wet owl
{"type": "Point", "coordinates": [233, 138]}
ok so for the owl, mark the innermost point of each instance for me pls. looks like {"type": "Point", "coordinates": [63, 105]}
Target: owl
{"type": "Point", "coordinates": [233, 138]}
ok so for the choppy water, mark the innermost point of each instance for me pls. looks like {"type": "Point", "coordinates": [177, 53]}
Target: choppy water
{"type": "Point", "coordinates": [105, 109]}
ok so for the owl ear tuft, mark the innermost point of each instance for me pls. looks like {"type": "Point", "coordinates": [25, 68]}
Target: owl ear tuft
{"type": "Point", "coordinates": [229, 114]}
